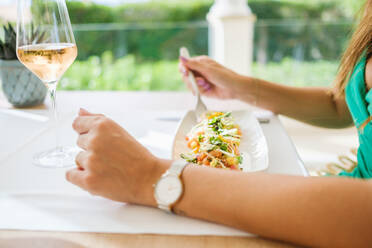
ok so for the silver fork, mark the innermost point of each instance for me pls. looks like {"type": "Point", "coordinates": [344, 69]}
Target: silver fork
{"type": "Point", "coordinates": [200, 108]}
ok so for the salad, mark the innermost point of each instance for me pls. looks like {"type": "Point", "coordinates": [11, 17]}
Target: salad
{"type": "Point", "coordinates": [215, 142]}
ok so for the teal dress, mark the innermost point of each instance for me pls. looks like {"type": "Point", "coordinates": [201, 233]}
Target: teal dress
{"type": "Point", "coordinates": [359, 102]}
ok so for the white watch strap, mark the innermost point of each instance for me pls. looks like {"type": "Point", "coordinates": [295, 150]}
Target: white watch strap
{"type": "Point", "coordinates": [174, 170]}
{"type": "Point", "coordinates": [165, 208]}
{"type": "Point", "coordinates": [177, 167]}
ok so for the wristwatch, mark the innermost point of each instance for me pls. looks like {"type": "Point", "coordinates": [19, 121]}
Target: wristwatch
{"type": "Point", "coordinates": [169, 188]}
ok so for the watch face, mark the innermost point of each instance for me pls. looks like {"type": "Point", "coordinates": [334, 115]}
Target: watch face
{"type": "Point", "coordinates": [168, 190]}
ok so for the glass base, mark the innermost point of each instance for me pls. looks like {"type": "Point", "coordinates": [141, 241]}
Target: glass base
{"type": "Point", "coordinates": [60, 157]}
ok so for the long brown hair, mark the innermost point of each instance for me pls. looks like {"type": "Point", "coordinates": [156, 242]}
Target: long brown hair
{"type": "Point", "coordinates": [360, 43]}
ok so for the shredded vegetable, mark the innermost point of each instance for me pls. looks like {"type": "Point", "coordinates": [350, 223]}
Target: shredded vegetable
{"type": "Point", "coordinates": [215, 142]}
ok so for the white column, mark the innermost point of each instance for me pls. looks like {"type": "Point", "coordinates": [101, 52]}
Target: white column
{"type": "Point", "coordinates": [231, 28]}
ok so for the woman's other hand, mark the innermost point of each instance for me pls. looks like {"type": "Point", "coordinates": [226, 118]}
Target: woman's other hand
{"type": "Point", "coordinates": [213, 79]}
{"type": "Point", "coordinates": [113, 164]}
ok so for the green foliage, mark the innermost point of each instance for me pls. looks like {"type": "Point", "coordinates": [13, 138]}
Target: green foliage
{"type": "Point", "coordinates": [351, 7]}
{"type": "Point", "coordinates": [163, 11]}
{"type": "Point", "coordinates": [301, 40]}
{"type": "Point", "coordinates": [142, 29]}
{"type": "Point", "coordinates": [272, 9]}
{"type": "Point", "coordinates": [298, 73]}
{"type": "Point", "coordinates": [126, 73]}
{"type": "Point", "coordinates": [196, 10]}
{"type": "Point", "coordinates": [8, 45]}
{"type": "Point", "coordinates": [82, 12]}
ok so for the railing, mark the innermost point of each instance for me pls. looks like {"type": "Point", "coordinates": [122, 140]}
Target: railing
{"type": "Point", "coordinates": [119, 56]}
{"type": "Point", "coordinates": [142, 26]}
{"type": "Point", "coordinates": [274, 40]}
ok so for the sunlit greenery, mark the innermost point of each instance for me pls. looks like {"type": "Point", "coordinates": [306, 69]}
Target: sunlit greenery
{"type": "Point", "coordinates": [154, 30]}
{"type": "Point", "coordinates": [298, 73]}
{"type": "Point", "coordinates": [125, 74]}
{"type": "Point", "coordinates": [132, 46]}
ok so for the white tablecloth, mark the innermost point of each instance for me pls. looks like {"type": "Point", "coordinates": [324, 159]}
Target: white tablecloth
{"type": "Point", "coordinates": [33, 198]}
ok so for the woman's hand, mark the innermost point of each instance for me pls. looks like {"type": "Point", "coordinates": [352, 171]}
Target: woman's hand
{"type": "Point", "coordinates": [213, 79]}
{"type": "Point", "coordinates": [113, 164]}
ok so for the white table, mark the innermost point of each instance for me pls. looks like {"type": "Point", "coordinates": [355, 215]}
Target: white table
{"type": "Point", "coordinates": [162, 107]}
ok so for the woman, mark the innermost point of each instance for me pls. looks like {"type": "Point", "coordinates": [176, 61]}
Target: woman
{"type": "Point", "coordinates": [324, 212]}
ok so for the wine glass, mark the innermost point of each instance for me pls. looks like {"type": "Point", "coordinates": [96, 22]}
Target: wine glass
{"type": "Point", "coordinates": [46, 46]}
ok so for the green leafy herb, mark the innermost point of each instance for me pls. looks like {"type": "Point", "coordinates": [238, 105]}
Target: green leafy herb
{"type": "Point", "coordinates": [188, 158]}
{"type": "Point", "coordinates": [240, 159]}
{"type": "Point", "coordinates": [216, 124]}
{"type": "Point", "coordinates": [223, 147]}
{"type": "Point", "coordinates": [215, 141]}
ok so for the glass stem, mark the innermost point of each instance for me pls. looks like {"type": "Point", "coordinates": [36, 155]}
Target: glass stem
{"type": "Point", "coordinates": [53, 96]}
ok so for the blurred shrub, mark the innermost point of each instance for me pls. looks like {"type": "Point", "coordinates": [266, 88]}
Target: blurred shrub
{"type": "Point", "coordinates": [196, 10]}
{"type": "Point", "coordinates": [302, 40]}
{"type": "Point", "coordinates": [125, 73]}
{"type": "Point", "coordinates": [142, 29]}
{"type": "Point", "coordinates": [163, 11]}
{"type": "Point", "coordinates": [295, 73]}
{"type": "Point", "coordinates": [83, 12]}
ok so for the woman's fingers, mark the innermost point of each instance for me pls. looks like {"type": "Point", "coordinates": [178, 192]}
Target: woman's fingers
{"type": "Point", "coordinates": [83, 141]}
{"type": "Point", "coordinates": [83, 124]}
{"type": "Point", "coordinates": [188, 84]}
{"type": "Point", "coordinates": [75, 176]}
{"type": "Point", "coordinates": [197, 64]}
{"type": "Point", "coordinates": [84, 112]}
{"type": "Point", "coordinates": [203, 84]}
{"type": "Point", "coordinates": [85, 121]}
{"type": "Point", "coordinates": [80, 159]}
{"type": "Point", "coordinates": [183, 70]}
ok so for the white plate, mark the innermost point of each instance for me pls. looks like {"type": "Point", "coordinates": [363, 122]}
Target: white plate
{"type": "Point", "coordinates": [253, 146]}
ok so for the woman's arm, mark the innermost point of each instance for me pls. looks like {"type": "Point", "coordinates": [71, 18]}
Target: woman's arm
{"type": "Point", "coordinates": [317, 212]}
{"type": "Point", "coordinates": [324, 212]}
{"type": "Point", "coordinates": [316, 106]}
